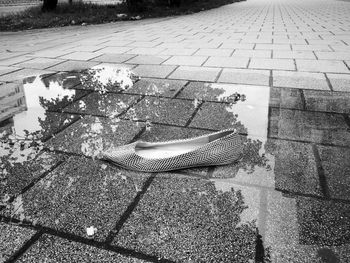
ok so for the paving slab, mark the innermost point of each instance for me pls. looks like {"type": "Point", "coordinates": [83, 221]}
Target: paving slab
{"type": "Point", "coordinates": [245, 76]}
{"type": "Point", "coordinates": [162, 110]}
{"type": "Point", "coordinates": [79, 194]}
{"type": "Point", "coordinates": [195, 73]}
{"type": "Point", "coordinates": [335, 162]}
{"type": "Point", "coordinates": [12, 238]}
{"type": "Point", "coordinates": [318, 127]}
{"type": "Point", "coordinates": [146, 59]}
{"type": "Point", "coordinates": [300, 80]}
{"type": "Point", "coordinates": [154, 71]}
{"type": "Point", "coordinates": [58, 249]}
{"type": "Point", "coordinates": [331, 66]}
{"type": "Point", "coordinates": [340, 82]}
{"type": "Point", "coordinates": [227, 62]}
{"type": "Point", "coordinates": [166, 229]}
{"type": "Point", "coordinates": [327, 101]}
{"type": "Point", "coordinates": [265, 63]}
{"type": "Point", "coordinates": [113, 58]}
{"type": "Point", "coordinates": [186, 60]}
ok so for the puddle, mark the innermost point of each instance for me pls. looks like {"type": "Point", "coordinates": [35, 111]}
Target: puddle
{"type": "Point", "coordinates": [293, 178]}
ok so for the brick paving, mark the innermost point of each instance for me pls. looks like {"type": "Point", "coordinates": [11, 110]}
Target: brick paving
{"type": "Point", "coordinates": [290, 59]}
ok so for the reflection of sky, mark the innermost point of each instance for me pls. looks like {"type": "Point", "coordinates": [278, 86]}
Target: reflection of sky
{"type": "Point", "coordinates": [29, 119]}
{"type": "Point", "coordinates": [253, 113]}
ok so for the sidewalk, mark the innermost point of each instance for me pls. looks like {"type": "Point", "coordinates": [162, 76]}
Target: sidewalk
{"type": "Point", "coordinates": [288, 200]}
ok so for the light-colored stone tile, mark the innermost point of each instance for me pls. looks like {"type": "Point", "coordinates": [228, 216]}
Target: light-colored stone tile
{"type": "Point", "coordinates": [252, 53]}
{"type": "Point", "coordinates": [293, 54]}
{"type": "Point", "coordinates": [74, 65]}
{"type": "Point", "coordinates": [154, 71]}
{"type": "Point", "coordinates": [40, 63]}
{"type": "Point", "coordinates": [51, 53]}
{"type": "Point", "coordinates": [300, 80]}
{"type": "Point", "coordinates": [214, 52]}
{"type": "Point", "coordinates": [114, 50]}
{"type": "Point", "coordinates": [195, 73]}
{"type": "Point", "coordinates": [179, 51]}
{"type": "Point", "coordinates": [265, 63]}
{"type": "Point", "coordinates": [272, 46]}
{"type": "Point", "coordinates": [143, 44]}
{"type": "Point", "coordinates": [245, 76]}
{"type": "Point", "coordinates": [145, 51]}
{"type": "Point", "coordinates": [237, 45]}
{"type": "Point", "coordinates": [311, 48]}
{"type": "Point", "coordinates": [229, 62]}
{"type": "Point", "coordinates": [85, 48]}
{"type": "Point", "coordinates": [148, 59]}
{"type": "Point", "coordinates": [340, 82]}
{"type": "Point", "coordinates": [84, 56]}
{"type": "Point", "coordinates": [186, 60]}
{"type": "Point", "coordinates": [5, 70]}
{"type": "Point", "coordinates": [332, 66]}
{"type": "Point", "coordinates": [113, 58]}
{"type": "Point", "coordinates": [15, 60]}
{"type": "Point", "coordinates": [333, 55]}
{"type": "Point", "coordinates": [24, 73]}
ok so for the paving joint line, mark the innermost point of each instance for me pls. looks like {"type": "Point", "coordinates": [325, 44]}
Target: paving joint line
{"type": "Point", "coordinates": [127, 213]}
{"type": "Point", "coordinates": [321, 173]}
{"type": "Point", "coordinates": [24, 247]}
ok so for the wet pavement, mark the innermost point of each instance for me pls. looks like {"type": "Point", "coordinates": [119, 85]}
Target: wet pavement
{"type": "Point", "coordinates": [276, 71]}
{"type": "Point", "coordinates": [287, 200]}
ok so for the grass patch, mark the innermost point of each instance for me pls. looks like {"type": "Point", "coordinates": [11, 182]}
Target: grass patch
{"type": "Point", "coordinates": [80, 13]}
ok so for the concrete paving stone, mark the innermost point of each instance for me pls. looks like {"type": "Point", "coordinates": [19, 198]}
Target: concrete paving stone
{"type": "Point", "coordinates": [272, 47]}
{"type": "Point", "coordinates": [324, 42]}
{"type": "Point", "coordinates": [340, 82]}
{"type": "Point", "coordinates": [285, 235]}
{"type": "Point", "coordinates": [157, 87]}
{"type": "Point", "coordinates": [146, 59]}
{"type": "Point", "coordinates": [212, 52]}
{"type": "Point", "coordinates": [7, 55]}
{"type": "Point", "coordinates": [50, 53]}
{"type": "Point", "coordinates": [167, 229]}
{"type": "Point", "coordinates": [154, 71]}
{"type": "Point", "coordinates": [300, 80]}
{"type": "Point", "coordinates": [24, 74]}
{"type": "Point", "coordinates": [322, 222]}
{"type": "Point", "coordinates": [74, 65]}
{"type": "Point", "coordinates": [62, 250]}
{"type": "Point", "coordinates": [179, 51]}
{"type": "Point", "coordinates": [311, 48]}
{"type": "Point", "coordinates": [15, 60]}
{"type": "Point", "coordinates": [6, 70]}
{"type": "Point", "coordinates": [195, 73]}
{"type": "Point", "coordinates": [186, 60]}
{"type": "Point", "coordinates": [40, 63]}
{"type": "Point", "coordinates": [287, 41]}
{"type": "Point", "coordinates": [327, 101]}
{"type": "Point", "coordinates": [79, 194]}
{"type": "Point", "coordinates": [317, 127]}
{"type": "Point", "coordinates": [114, 50]}
{"type": "Point", "coordinates": [12, 238]}
{"type": "Point", "coordinates": [117, 43]}
{"type": "Point", "coordinates": [336, 164]}
{"type": "Point", "coordinates": [92, 134]}
{"type": "Point", "coordinates": [84, 56]}
{"type": "Point", "coordinates": [266, 63]}
{"type": "Point", "coordinates": [162, 110]}
{"type": "Point", "coordinates": [252, 53]}
{"type": "Point", "coordinates": [340, 48]}
{"type": "Point", "coordinates": [109, 105]}
{"type": "Point", "coordinates": [216, 116]}
{"type": "Point", "coordinates": [293, 54]}
{"type": "Point", "coordinates": [333, 55]}
{"type": "Point", "coordinates": [145, 51]}
{"type": "Point", "coordinates": [228, 62]}
{"type": "Point", "coordinates": [245, 76]}
{"type": "Point", "coordinates": [285, 166]}
{"type": "Point", "coordinates": [286, 98]}
{"type": "Point", "coordinates": [144, 44]}
{"type": "Point", "coordinates": [85, 48]}
{"type": "Point", "coordinates": [237, 45]}
{"type": "Point", "coordinates": [201, 44]}
{"type": "Point", "coordinates": [113, 58]}
{"type": "Point", "coordinates": [331, 66]}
